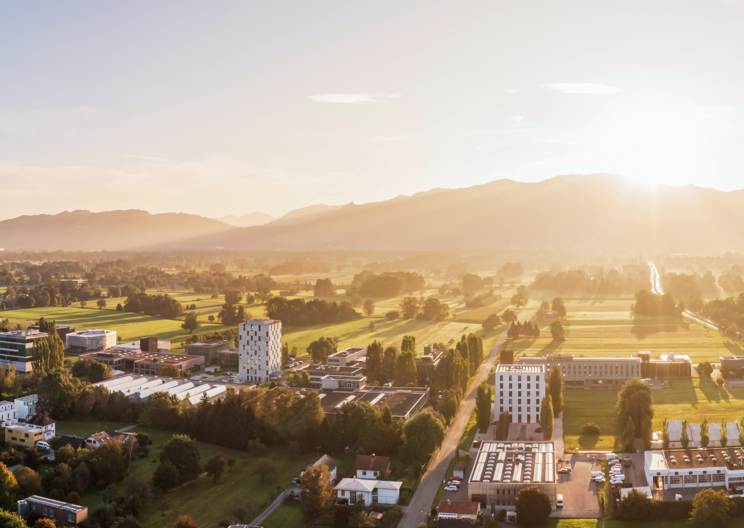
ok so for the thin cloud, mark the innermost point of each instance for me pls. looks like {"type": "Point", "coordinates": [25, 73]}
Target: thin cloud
{"type": "Point", "coordinates": [583, 88]}
{"type": "Point", "coordinates": [359, 98]}
{"type": "Point", "coordinates": [517, 119]}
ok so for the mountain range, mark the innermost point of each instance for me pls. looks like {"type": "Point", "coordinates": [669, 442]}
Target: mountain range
{"type": "Point", "coordinates": [585, 213]}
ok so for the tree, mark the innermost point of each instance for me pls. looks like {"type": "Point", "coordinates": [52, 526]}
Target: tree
{"type": "Point", "coordinates": [264, 467]}
{"type": "Point", "coordinates": [8, 488]}
{"type": "Point", "coordinates": [44, 523]}
{"type": "Point", "coordinates": [130, 521]}
{"type": "Point", "coordinates": [263, 295]}
{"type": "Point", "coordinates": [710, 509]}
{"type": "Point", "coordinates": [647, 433]}
{"type": "Point", "coordinates": [724, 433]}
{"type": "Point", "coordinates": [169, 371]}
{"type": "Point", "coordinates": [636, 506]}
{"type": "Point", "coordinates": [233, 297]}
{"type": "Point", "coordinates": [546, 418]}
{"type": "Point", "coordinates": [191, 322]}
{"type": "Point", "coordinates": [231, 463]}
{"type": "Point", "coordinates": [705, 369]}
{"type": "Point", "coordinates": [684, 438]}
{"type": "Point", "coordinates": [704, 437]}
{"type": "Point", "coordinates": [215, 466]}
{"type": "Point", "coordinates": [557, 332]}
{"type": "Point", "coordinates": [434, 310]}
{"type": "Point", "coordinates": [533, 506]}
{"type": "Point", "coordinates": [509, 316]}
{"type": "Point", "coordinates": [410, 307]}
{"type": "Point", "coordinates": [374, 361]}
{"type": "Point", "coordinates": [211, 318]}
{"type": "Point", "coordinates": [491, 322]}
{"type": "Point", "coordinates": [369, 307]}
{"type": "Point", "coordinates": [28, 482]}
{"type": "Point", "coordinates": [101, 304]}
{"type": "Point", "coordinates": [389, 360]}
{"type": "Point", "coordinates": [317, 491]}
{"type": "Point", "coordinates": [558, 307]}
{"type": "Point", "coordinates": [483, 406]}
{"type": "Point", "coordinates": [423, 434]}
{"type": "Point", "coordinates": [166, 476]}
{"type": "Point", "coordinates": [450, 404]}
{"type": "Point", "coordinates": [665, 434]}
{"type": "Point", "coordinates": [634, 401]}
{"type": "Point", "coordinates": [82, 304]}
{"type": "Point", "coordinates": [555, 388]}
{"type": "Point", "coordinates": [320, 349]}
{"type": "Point", "coordinates": [324, 288]}
{"type": "Point", "coordinates": [405, 369]}
{"type": "Point", "coordinates": [184, 521]}
{"type": "Point", "coordinates": [10, 519]}
{"type": "Point", "coordinates": [519, 299]}
{"type": "Point", "coordinates": [183, 453]}
{"type": "Point", "coordinates": [361, 519]}
{"type": "Point", "coordinates": [58, 392]}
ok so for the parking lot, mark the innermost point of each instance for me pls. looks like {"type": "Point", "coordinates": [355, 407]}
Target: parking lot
{"type": "Point", "coordinates": [578, 489]}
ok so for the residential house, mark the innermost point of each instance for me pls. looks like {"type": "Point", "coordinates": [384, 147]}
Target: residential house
{"type": "Point", "coordinates": [24, 435]}
{"type": "Point", "coordinates": [8, 413]}
{"type": "Point", "coordinates": [370, 466]}
{"type": "Point", "coordinates": [76, 442]}
{"type": "Point", "coordinates": [26, 405]}
{"type": "Point", "coordinates": [330, 462]}
{"type": "Point", "coordinates": [46, 423]}
{"type": "Point", "coordinates": [370, 492]}
{"type": "Point", "coordinates": [52, 509]}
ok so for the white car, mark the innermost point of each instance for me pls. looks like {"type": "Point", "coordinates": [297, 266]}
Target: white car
{"type": "Point", "coordinates": [41, 444]}
{"type": "Point", "coordinates": [451, 488]}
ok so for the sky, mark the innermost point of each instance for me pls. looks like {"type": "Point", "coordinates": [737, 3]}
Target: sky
{"type": "Point", "coordinates": [218, 108]}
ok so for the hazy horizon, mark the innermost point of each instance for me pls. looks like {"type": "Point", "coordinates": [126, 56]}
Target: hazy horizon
{"type": "Point", "coordinates": [178, 107]}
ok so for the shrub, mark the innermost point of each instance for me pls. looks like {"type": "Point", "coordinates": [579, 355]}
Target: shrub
{"type": "Point", "coordinates": [392, 316]}
{"type": "Point", "coordinates": [591, 429]}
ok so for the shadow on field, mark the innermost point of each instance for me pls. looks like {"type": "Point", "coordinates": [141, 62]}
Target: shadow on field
{"type": "Point", "coordinates": [551, 348]}
{"type": "Point", "coordinates": [683, 392]}
{"type": "Point", "coordinates": [644, 326]}
{"type": "Point", "coordinates": [712, 392]}
{"type": "Point", "coordinates": [736, 349]}
{"type": "Point", "coordinates": [588, 442]}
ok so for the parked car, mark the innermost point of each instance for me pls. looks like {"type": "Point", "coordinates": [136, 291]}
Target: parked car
{"type": "Point", "coordinates": [42, 444]}
{"type": "Point", "coordinates": [458, 479]}
{"type": "Point", "coordinates": [564, 471]}
{"type": "Point", "coordinates": [295, 481]}
{"type": "Point", "coordinates": [538, 429]}
{"type": "Point", "coordinates": [451, 488]}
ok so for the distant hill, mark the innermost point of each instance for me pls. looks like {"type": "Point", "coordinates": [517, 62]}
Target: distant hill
{"type": "Point", "coordinates": [255, 218]}
{"type": "Point", "coordinates": [110, 230]}
{"type": "Point", "coordinates": [577, 212]}
{"type": "Point", "coordinates": [305, 214]}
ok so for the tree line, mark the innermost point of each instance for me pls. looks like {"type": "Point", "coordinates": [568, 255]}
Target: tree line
{"type": "Point", "coordinates": [298, 312]}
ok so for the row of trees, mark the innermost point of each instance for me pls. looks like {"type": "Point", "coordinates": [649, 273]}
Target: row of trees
{"type": "Point", "coordinates": [298, 312]}
{"type": "Point", "coordinates": [647, 303]}
{"type": "Point", "coordinates": [432, 309]}
{"type": "Point", "coordinates": [162, 305]}
{"type": "Point", "coordinates": [389, 284]}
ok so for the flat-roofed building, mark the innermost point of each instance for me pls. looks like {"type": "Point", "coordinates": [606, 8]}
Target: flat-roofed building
{"type": "Point", "coordinates": [16, 348]}
{"type": "Point", "coordinates": [260, 350]}
{"type": "Point", "coordinates": [146, 363]}
{"type": "Point", "coordinates": [502, 469]}
{"type": "Point", "coordinates": [62, 330]}
{"type": "Point", "coordinates": [332, 377]}
{"type": "Point", "coordinates": [593, 372]}
{"type": "Point", "coordinates": [668, 470]}
{"type": "Point", "coordinates": [26, 405]}
{"type": "Point", "coordinates": [347, 356]}
{"type": "Point", "coordinates": [449, 509]}
{"type": "Point", "coordinates": [427, 364]}
{"type": "Point", "coordinates": [732, 366]}
{"type": "Point", "coordinates": [8, 413]}
{"type": "Point", "coordinates": [146, 344]}
{"type": "Point", "coordinates": [229, 358]}
{"type": "Point", "coordinates": [209, 349]}
{"type": "Point", "coordinates": [675, 427]}
{"type": "Point", "coordinates": [24, 434]}
{"type": "Point", "coordinates": [668, 366]}
{"type": "Point", "coordinates": [519, 389]}
{"type": "Point", "coordinates": [404, 402]}
{"type": "Point", "coordinates": [90, 340]}
{"type": "Point", "coordinates": [52, 509]}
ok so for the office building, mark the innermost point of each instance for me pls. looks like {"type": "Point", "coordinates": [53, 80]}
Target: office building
{"type": "Point", "coordinates": [519, 390]}
{"type": "Point", "coordinates": [347, 356]}
{"type": "Point", "coordinates": [146, 344]}
{"type": "Point", "coordinates": [52, 509]}
{"type": "Point", "coordinates": [90, 341]}
{"type": "Point", "coordinates": [588, 372]}
{"type": "Point", "coordinates": [260, 350]}
{"type": "Point", "coordinates": [669, 470]}
{"type": "Point", "coordinates": [208, 349]}
{"type": "Point", "coordinates": [668, 366]}
{"type": "Point", "coordinates": [228, 358]}
{"type": "Point", "coordinates": [146, 363]}
{"type": "Point", "coordinates": [8, 413]}
{"type": "Point", "coordinates": [24, 435]}
{"type": "Point", "coordinates": [16, 348]}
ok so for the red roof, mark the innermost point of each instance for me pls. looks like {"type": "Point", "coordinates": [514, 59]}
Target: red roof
{"type": "Point", "coordinates": [371, 463]}
{"type": "Point", "coordinates": [40, 419]}
{"type": "Point", "coordinates": [459, 507]}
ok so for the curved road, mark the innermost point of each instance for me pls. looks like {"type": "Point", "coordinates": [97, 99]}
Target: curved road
{"type": "Point", "coordinates": [416, 512]}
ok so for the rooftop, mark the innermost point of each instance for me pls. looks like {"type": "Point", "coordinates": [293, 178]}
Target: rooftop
{"type": "Point", "coordinates": [24, 333]}
{"type": "Point", "coordinates": [263, 321]}
{"type": "Point", "coordinates": [348, 351]}
{"type": "Point", "coordinates": [570, 357]}
{"type": "Point", "coordinates": [210, 343]}
{"type": "Point", "coordinates": [519, 368]}
{"type": "Point", "coordinates": [371, 463]}
{"type": "Point", "coordinates": [459, 507]}
{"type": "Point", "coordinates": [719, 457]}
{"type": "Point", "coordinates": [55, 503]}
{"type": "Point", "coordinates": [25, 427]}
{"type": "Point", "coordinates": [93, 332]}
{"type": "Point", "coordinates": [514, 462]}
{"type": "Point", "coordinates": [40, 419]}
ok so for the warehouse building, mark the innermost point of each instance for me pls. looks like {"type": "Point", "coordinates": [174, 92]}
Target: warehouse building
{"type": "Point", "coordinates": [502, 469]}
{"type": "Point", "coordinates": [209, 349]}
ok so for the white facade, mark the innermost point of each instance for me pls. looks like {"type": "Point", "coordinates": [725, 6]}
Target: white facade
{"type": "Point", "coordinates": [348, 355]}
{"type": "Point", "coordinates": [26, 406]}
{"type": "Point", "coordinates": [91, 340]}
{"type": "Point", "coordinates": [260, 350]}
{"type": "Point", "coordinates": [519, 390]}
{"type": "Point", "coordinates": [8, 413]}
{"type": "Point", "coordinates": [370, 491]}
{"type": "Point", "coordinates": [660, 474]}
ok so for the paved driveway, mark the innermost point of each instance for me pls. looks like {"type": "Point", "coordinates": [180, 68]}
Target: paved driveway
{"type": "Point", "coordinates": [578, 490]}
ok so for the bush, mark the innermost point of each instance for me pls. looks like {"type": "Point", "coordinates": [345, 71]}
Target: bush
{"type": "Point", "coordinates": [392, 316]}
{"type": "Point", "coordinates": [533, 506]}
{"type": "Point", "coordinates": [591, 429]}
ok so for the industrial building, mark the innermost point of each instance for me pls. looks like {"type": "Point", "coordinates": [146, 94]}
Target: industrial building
{"type": "Point", "coordinates": [347, 356]}
{"type": "Point", "coordinates": [694, 468]}
{"type": "Point", "coordinates": [667, 366]}
{"type": "Point", "coordinates": [404, 402]}
{"type": "Point", "coordinates": [146, 344]}
{"type": "Point", "coordinates": [209, 349]}
{"type": "Point", "coordinates": [52, 509]}
{"type": "Point", "coordinates": [16, 348]}
{"type": "Point", "coordinates": [502, 469]}
{"type": "Point", "coordinates": [142, 387]}
{"type": "Point", "coordinates": [146, 363]}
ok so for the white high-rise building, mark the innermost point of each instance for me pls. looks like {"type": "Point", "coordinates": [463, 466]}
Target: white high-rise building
{"type": "Point", "coordinates": [260, 350]}
{"type": "Point", "coordinates": [519, 390]}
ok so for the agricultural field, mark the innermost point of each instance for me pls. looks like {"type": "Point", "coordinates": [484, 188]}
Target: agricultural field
{"type": "Point", "coordinates": [687, 399]}
{"type": "Point", "coordinates": [606, 327]}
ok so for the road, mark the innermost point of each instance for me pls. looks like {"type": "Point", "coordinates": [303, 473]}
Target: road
{"type": "Point", "coordinates": [272, 507]}
{"type": "Point", "coordinates": [655, 280]}
{"type": "Point", "coordinates": [415, 513]}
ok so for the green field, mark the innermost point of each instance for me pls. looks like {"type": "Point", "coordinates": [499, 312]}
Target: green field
{"type": "Point", "coordinates": [202, 499]}
{"type": "Point", "coordinates": [285, 517]}
{"type": "Point", "coordinates": [606, 327]}
{"type": "Point", "coordinates": [688, 399]}
{"type": "Point", "coordinates": [734, 522]}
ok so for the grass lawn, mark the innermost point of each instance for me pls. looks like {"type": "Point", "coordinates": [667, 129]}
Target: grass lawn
{"type": "Point", "coordinates": [735, 522]}
{"type": "Point", "coordinates": [688, 398]}
{"type": "Point", "coordinates": [86, 428]}
{"type": "Point", "coordinates": [285, 517]}
{"type": "Point", "coordinates": [202, 499]}
{"type": "Point", "coordinates": [469, 434]}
